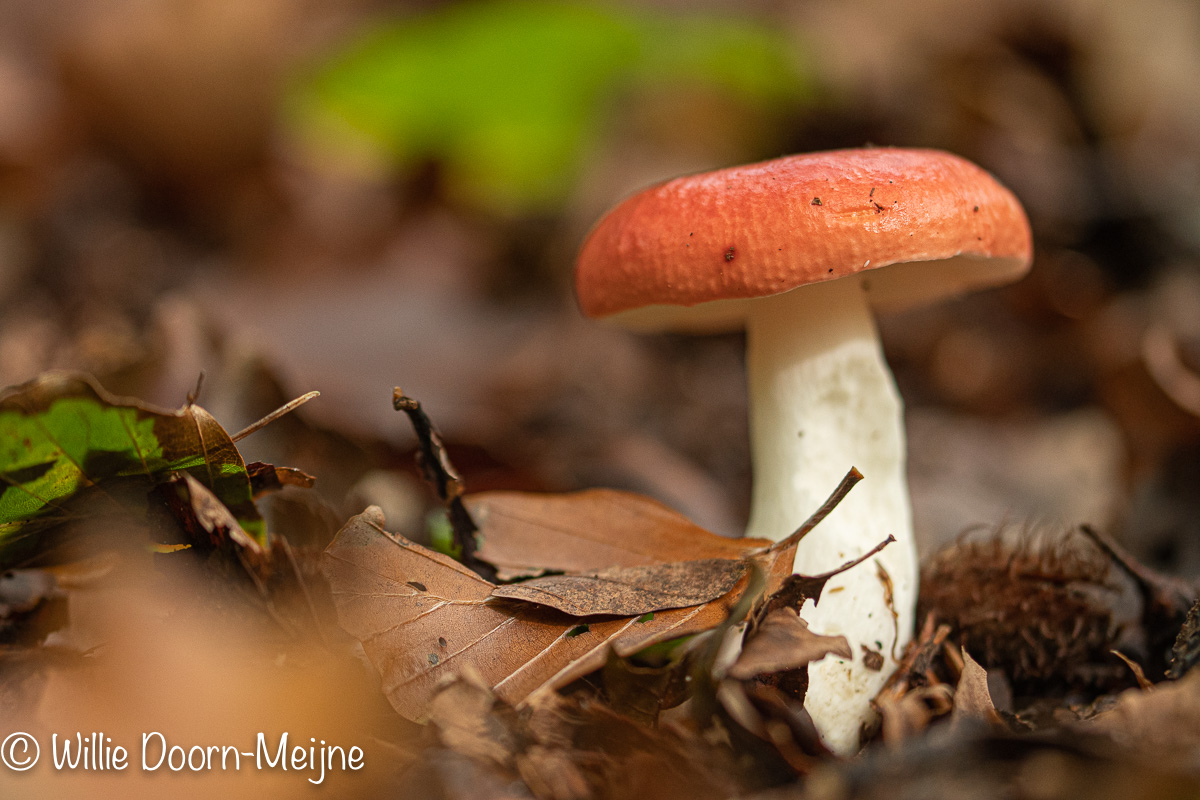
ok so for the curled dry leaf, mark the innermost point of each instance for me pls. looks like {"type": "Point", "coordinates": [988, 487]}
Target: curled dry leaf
{"type": "Point", "coordinates": [907, 716]}
{"type": "Point", "coordinates": [421, 615]}
{"type": "Point", "coordinates": [627, 591]}
{"type": "Point", "coordinates": [523, 533]}
{"type": "Point", "coordinates": [783, 641]}
{"type": "Point", "coordinates": [1163, 724]}
{"type": "Point", "coordinates": [972, 698]}
{"type": "Point", "coordinates": [1138, 673]}
{"type": "Point", "coordinates": [203, 516]}
{"type": "Point", "coordinates": [266, 478]}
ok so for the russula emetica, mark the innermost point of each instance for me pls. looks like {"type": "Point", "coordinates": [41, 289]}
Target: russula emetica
{"type": "Point", "coordinates": [799, 250]}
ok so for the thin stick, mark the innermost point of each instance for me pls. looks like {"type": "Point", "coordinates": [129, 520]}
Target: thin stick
{"type": "Point", "coordinates": [854, 562]}
{"type": "Point", "coordinates": [194, 394]}
{"type": "Point", "coordinates": [1170, 594]}
{"type": "Point", "coordinates": [440, 474]}
{"type": "Point", "coordinates": [287, 408]}
{"type": "Point", "coordinates": [843, 489]}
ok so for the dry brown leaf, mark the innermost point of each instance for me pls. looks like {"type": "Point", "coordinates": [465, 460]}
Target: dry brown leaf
{"type": "Point", "coordinates": [627, 591]}
{"type": "Point", "coordinates": [909, 715]}
{"type": "Point", "coordinates": [266, 478]}
{"type": "Point", "coordinates": [210, 522]}
{"type": "Point", "coordinates": [524, 533]}
{"type": "Point", "coordinates": [421, 615]}
{"type": "Point", "coordinates": [564, 749]}
{"type": "Point", "coordinates": [972, 699]}
{"type": "Point", "coordinates": [1164, 724]}
{"type": "Point", "coordinates": [783, 641]}
{"type": "Point", "coordinates": [463, 713]}
{"type": "Point", "coordinates": [1139, 674]}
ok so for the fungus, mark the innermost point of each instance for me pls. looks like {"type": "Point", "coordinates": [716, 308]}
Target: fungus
{"type": "Point", "coordinates": [925, 224]}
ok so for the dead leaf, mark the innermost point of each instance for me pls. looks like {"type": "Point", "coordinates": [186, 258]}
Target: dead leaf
{"type": "Point", "coordinates": [627, 591]}
{"type": "Point", "coordinates": [1185, 653]}
{"type": "Point", "coordinates": [783, 641]}
{"type": "Point", "coordinates": [551, 773]}
{"type": "Point", "coordinates": [796, 589]}
{"type": "Point", "coordinates": [911, 714]}
{"type": "Point", "coordinates": [1164, 724]}
{"type": "Point", "coordinates": [421, 615]}
{"type": "Point", "coordinates": [523, 533]}
{"type": "Point", "coordinates": [463, 711]}
{"type": "Point", "coordinates": [641, 693]}
{"type": "Point", "coordinates": [562, 749]}
{"type": "Point", "coordinates": [209, 524]}
{"type": "Point", "coordinates": [788, 726]}
{"type": "Point", "coordinates": [972, 699]}
{"type": "Point", "coordinates": [266, 478]}
{"type": "Point", "coordinates": [1138, 673]}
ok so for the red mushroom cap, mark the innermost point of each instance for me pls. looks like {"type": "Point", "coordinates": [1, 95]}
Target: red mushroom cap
{"type": "Point", "coordinates": [762, 229]}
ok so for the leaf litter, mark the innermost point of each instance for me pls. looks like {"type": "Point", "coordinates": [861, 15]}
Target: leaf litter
{"type": "Point", "coordinates": [517, 648]}
{"type": "Point", "coordinates": [69, 449]}
{"type": "Point", "coordinates": [481, 661]}
{"type": "Point", "coordinates": [421, 616]}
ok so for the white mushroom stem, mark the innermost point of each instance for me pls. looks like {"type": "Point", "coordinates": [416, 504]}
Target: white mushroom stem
{"type": "Point", "coordinates": [821, 401]}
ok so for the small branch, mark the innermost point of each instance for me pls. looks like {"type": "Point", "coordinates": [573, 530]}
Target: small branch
{"type": "Point", "coordinates": [824, 576]}
{"type": "Point", "coordinates": [1167, 593]}
{"type": "Point", "coordinates": [194, 394]}
{"type": "Point", "coordinates": [440, 474]}
{"type": "Point", "coordinates": [287, 408]}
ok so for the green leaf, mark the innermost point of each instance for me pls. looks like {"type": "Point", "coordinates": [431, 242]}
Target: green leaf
{"type": "Point", "coordinates": [62, 434]}
{"type": "Point", "coordinates": [508, 95]}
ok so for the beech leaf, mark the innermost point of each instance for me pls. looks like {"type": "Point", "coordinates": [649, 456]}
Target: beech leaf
{"type": "Point", "coordinates": [523, 533]}
{"type": "Point", "coordinates": [421, 616]}
{"type": "Point", "coordinates": [972, 699]}
{"type": "Point", "coordinates": [627, 591]}
{"type": "Point", "coordinates": [783, 641]}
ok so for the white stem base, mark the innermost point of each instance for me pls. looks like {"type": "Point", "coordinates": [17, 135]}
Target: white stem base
{"type": "Point", "coordinates": [822, 401]}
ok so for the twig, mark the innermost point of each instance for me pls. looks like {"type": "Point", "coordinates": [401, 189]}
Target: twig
{"type": "Point", "coordinates": [854, 562]}
{"type": "Point", "coordinates": [286, 408]}
{"type": "Point", "coordinates": [440, 474]}
{"type": "Point", "coordinates": [852, 477]}
{"type": "Point", "coordinates": [1169, 595]}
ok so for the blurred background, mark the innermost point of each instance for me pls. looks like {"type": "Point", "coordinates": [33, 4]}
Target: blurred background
{"type": "Point", "coordinates": [348, 196]}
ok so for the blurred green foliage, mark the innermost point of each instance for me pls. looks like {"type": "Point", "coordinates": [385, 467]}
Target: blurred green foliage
{"type": "Point", "coordinates": [507, 95]}
{"type": "Point", "coordinates": [61, 435]}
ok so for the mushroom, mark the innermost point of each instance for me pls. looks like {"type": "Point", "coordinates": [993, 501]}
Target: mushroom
{"type": "Point", "coordinates": [798, 250]}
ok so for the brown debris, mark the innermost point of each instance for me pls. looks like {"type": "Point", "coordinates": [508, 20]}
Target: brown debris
{"type": "Point", "coordinates": [524, 533]}
{"type": "Point", "coordinates": [1185, 653]}
{"type": "Point", "coordinates": [628, 591]}
{"type": "Point", "coordinates": [440, 474]}
{"type": "Point", "coordinates": [972, 699]}
{"type": "Point", "coordinates": [782, 641]}
{"type": "Point", "coordinates": [517, 648]}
